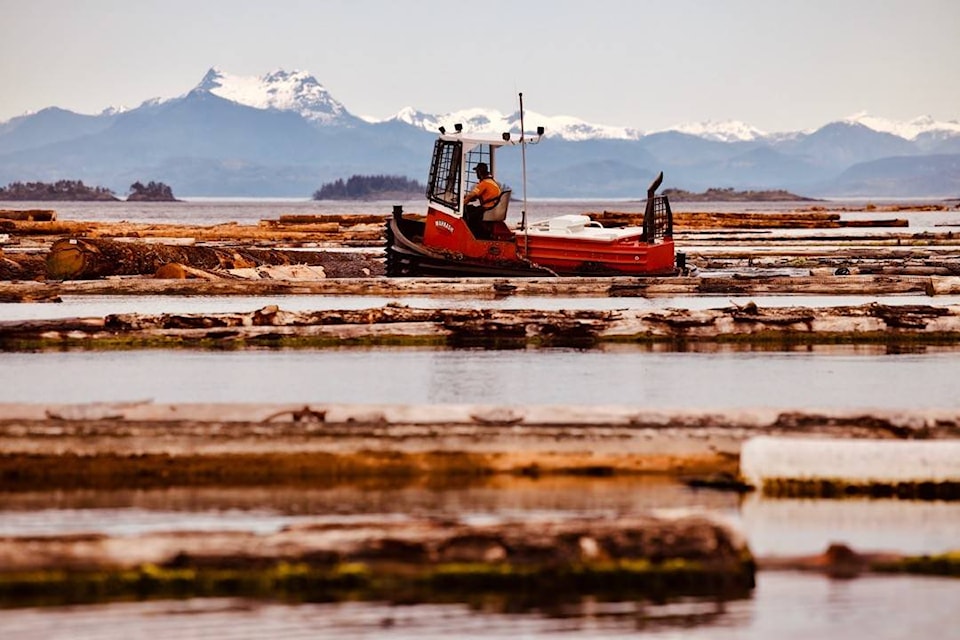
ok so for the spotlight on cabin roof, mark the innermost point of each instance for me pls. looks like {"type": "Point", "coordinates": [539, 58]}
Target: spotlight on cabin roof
{"type": "Point", "coordinates": [540, 131]}
{"type": "Point", "coordinates": [506, 136]}
{"type": "Point", "coordinates": [458, 127]}
{"type": "Point", "coordinates": [443, 130]}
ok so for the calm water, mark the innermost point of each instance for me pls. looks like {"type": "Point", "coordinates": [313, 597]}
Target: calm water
{"type": "Point", "coordinates": [784, 606]}
{"type": "Point", "coordinates": [206, 211]}
{"type": "Point", "coordinates": [852, 378]}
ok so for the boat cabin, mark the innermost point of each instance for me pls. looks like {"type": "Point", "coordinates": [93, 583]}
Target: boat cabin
{"type": "Point", "coordinates": [453, 171]}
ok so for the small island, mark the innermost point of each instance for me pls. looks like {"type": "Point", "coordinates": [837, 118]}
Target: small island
{"type": "Point", "coordinates": [379, 187]}
{"type": "Point", "coordinates": [61, 190]}
{"type": "Point", "coordinates": [151, 192]}
{"type": "Point", "coordinates": [730, 195]}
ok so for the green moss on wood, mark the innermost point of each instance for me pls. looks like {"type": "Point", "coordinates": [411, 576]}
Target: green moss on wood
{"type": "Point", "coordinates": [947, 564]}
{"type": "Point", "coordinates": [836, 488]}
{"type": "Point", "coordinates": [299, 581]}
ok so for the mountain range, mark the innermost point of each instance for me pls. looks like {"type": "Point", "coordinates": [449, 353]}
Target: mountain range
{"type": "Point", "coordinates": [284, 135]}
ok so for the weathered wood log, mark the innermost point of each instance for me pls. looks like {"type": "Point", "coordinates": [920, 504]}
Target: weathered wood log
{"type": "Point", "coordinates": [79, 258]}
{"type": "Point", "coordinates": [497, 328]}
{"type": "Point", "coordinates": [32, 215]}
{"type": "Point", "coordinates": [338, 283]}
{"type": "Point", "coordinates": [87, 258]}
{"type": "Point", "coordinates": [345, 219]}
{"type": "Point", "coordinates": [686, 220]}
{"type": "Point", "coordinates": [21, 266]}
{"type": "Point", "coordinates": [639, 555]}
{"type": "Point", "coordinates": [827, 467]}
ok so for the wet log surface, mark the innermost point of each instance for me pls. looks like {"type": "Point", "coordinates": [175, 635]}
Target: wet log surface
{"type": "Point", "coordinates": [415, 561]}
{"type": "Point", "coordinates": [695, 220]}
{"type": "Point", "coordinates": [80, 259]}
{"type": "Point", "coordinates": [151, 445]}
{"type": "Point", "coordinates": [493, 288]}
{"type": "Point", "coordinates": [498, 328]}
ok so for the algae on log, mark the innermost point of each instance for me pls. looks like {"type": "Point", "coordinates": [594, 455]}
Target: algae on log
{"type": "Point", "coordinates": [634, 555]}
{"type": "Point", "coordinates": [88, 258]}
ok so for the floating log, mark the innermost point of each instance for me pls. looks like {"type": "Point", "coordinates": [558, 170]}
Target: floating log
{"type": "Point", "coordinates": [142, 444]}
{"type": "Point", "coordinates": [829, 467]}
{"type": "Point", "coordinates": [80, 258]}
{"type": "Point", "coordinates": [687, 220]}
{"type": "Point", "coordinates": [840, 561]}
{"type": "Point", "coordinates": [345, 219]}
{"type": "Point", "coordinates": [31, 215]}
{"type": "Point", "coordinates": [21, 266]}
{"type": "Point", "coordinates": [86, 258]}
{"type": "Point", "coordinates": [345, 277]}
{"type": "Point", "coordinates": [501, 328]}
{"type": "Point", "coordinates": [635, 555]}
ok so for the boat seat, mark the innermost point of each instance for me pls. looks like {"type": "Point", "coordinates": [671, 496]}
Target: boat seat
{"type": "Point", "coordinates": [498, 212]}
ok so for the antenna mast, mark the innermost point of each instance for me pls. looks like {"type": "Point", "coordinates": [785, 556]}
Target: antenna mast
{"type": "Point", "coordinates": [523, 164]}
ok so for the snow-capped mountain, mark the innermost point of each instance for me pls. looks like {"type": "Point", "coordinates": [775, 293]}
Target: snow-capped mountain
{"type": "Point", "coordinates": [492, 121]}
{"type": "Point", "coordinates": [296, 91]}
{"type": "Point", "coordinates": [725, 131]}
{"type": "Point", "coordinates": [283, 134]}
{"type": "Point", "coordinates": [909, 130]}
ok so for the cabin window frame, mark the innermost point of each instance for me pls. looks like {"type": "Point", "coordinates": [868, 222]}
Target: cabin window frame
{"type": "Point", "coordinates": [480, 153]}
{"type": "Point", "coordinates": [444, 183]}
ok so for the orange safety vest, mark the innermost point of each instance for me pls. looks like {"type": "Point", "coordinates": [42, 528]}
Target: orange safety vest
{"type": "Point", "coordinates": [487, 189]}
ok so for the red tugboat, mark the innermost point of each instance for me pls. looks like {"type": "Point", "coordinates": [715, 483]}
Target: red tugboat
{"type": "Point", "coordinates": [443, 244]}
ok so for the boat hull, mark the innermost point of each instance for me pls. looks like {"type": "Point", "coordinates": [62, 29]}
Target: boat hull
{"type": "Point", "coordinates": [442, 245]}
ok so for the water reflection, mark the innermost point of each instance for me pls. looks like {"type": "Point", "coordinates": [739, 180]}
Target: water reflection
{"type": "Point", "coordinates": [787, 606]}
{"type": "Point", "coordinates": [810, 379]}
{"type": "Point", "coordinates": [802, 527]}
{"type": "Point", "coordinates": [266, 509]}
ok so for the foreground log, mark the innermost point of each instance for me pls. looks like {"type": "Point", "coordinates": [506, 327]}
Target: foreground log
{"type": "Point", "coordinates": [631, 557]}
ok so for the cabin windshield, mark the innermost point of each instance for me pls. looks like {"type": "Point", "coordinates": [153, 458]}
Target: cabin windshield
{"type": "Point", "coordinates": [480, 153]}
{"type": "Point", "coordinates": [453, 169]}
{"type": "Point", "coordinates": [444, 186]}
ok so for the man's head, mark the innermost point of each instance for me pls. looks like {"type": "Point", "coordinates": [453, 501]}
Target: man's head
{"type": "Point", "coordinates": [482, 170]}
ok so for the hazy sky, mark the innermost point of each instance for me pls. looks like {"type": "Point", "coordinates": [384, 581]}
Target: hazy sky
{"type": "Point", "coordinates": [776, 64]}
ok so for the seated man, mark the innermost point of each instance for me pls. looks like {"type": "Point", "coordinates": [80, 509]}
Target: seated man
{"type": "Point", "coordinates": [487, 192]}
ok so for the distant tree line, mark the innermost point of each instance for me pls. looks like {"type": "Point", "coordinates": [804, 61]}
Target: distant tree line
{"type": "Point", "coordinates": [732, 195]}
{"type": "Point", "coordinates": [59, 190]}
{"type": "Point", "coordinates": [358, 187]}
{"type": "Point", "coordinates": [151, 191]}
